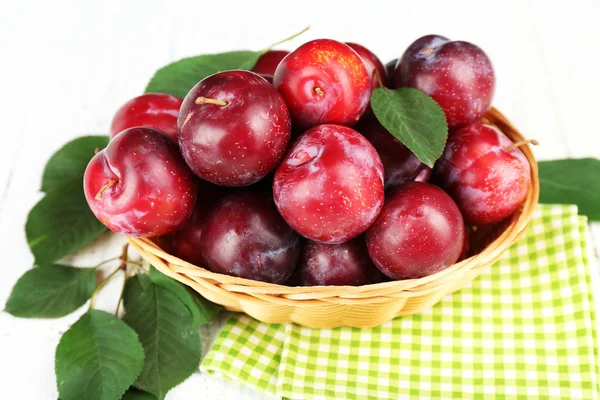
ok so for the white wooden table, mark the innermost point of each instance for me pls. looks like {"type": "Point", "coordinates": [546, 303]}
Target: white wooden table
{"type": "Point", "coordinates": [66, 66]}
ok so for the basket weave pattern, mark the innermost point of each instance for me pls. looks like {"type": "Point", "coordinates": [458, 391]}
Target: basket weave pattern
{"type": "Point", "coordinates": [357, 306]}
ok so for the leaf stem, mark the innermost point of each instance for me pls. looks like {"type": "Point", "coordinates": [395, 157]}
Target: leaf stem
{"type": "Point", "coordinates": [123, 265]}
{"type": "Point", "coordinates": [122, 290]}
{"type": "Point", "coordinates": [379, 79]}
{"type": "Point", "coordinates": [102, 284]}
{"type": "Point", "coordinates": [137, 265]}
{"type": "Point", "coordinates": [285, 40]}
{"type": "Point", "coordinates": [105, 262]}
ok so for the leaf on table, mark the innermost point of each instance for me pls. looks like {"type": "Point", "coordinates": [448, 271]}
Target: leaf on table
{"type": "Point", "coordinates": [60, 224]}
{"type": "Point", "coordinates": [68, 164]}
{"type": "Point", "coordinates": [572, 181]}
{"type": "Point", "coordinates": [137, 394]}
{"type": "Point", "coordinates": [414, 118]}
{"type": "Point", "coordinates": [164, 326]}
{"type": "Point", "coordinates": [51, 291]}
{"type": "Point", "coordinates": [179, 77]}
{"type": "Point", "coordinates": [202, 310]}
{"type": "Point", "coordinates": [98, 358]}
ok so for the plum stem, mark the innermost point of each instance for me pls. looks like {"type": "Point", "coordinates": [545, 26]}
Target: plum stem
{"type": "Point", "coordinates": [286, 39]}
{"type": "Point", "coordinates": [521, 143]}
{"type": "Point", "coordinates": [103, 189]}
{"type": "Point", "coordinates": [206, 100]}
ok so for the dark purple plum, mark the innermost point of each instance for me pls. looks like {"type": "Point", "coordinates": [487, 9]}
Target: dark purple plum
{"type": "Point", "coordinates": [344, 264]}
{"type": "Point", "coordinates": [390, 67]}
{"type": "Point", "coordinates": [186, 241]}
{"type": "Point", "coordinates": [245, 236]}
{"type": "Point", "coordinates": [457, 75]}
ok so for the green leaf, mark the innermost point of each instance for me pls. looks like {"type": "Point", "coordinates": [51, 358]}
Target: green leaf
{"type": "Point", "coordinates": [60, 224]}
{"type": "Point", "coordinates": [202, 310]}
{"type": "Point", "coordinates": [98, 358]}
{"type": "Point", "coordinates": [68, 164]}
{"type": "Point", "coordinates": [136, 394]}
{"type": "Point", "coordinates": [572, 181]}
{"type": "Point", "coordinates": [51, 291]}
{"type": "Point", "coordinates": [164, 326]}
{"type": "Point", "coordinates": [414, 118]}
{"type": "Point", "coordinates": [179, 77]}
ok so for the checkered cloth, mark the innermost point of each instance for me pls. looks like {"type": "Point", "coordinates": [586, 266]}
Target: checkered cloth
{"type": "Point", "coordinates": [526, 328]}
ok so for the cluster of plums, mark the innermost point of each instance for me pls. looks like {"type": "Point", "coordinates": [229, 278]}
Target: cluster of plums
{"type": "Point", "coordinates": [284, 175]}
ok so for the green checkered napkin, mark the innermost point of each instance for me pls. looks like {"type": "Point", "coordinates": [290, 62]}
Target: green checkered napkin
{"type": "Point", "coordinates": [524, 329]}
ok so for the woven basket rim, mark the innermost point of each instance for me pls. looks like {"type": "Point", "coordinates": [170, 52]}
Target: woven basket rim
{"type": "Point", "coordinates": [519, 221]}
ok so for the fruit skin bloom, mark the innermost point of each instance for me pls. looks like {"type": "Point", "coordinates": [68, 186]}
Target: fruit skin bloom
{"type": "Point", "coordinates": [329, 188]}
{"type": "Point", "coordinates": [420, 231]}
{"type": "Point", "coordinates": [324, 82]}
{"type": "Point", "coordinates": [458, 75]}
{"type": "Point", "coordinates": [485, 174]}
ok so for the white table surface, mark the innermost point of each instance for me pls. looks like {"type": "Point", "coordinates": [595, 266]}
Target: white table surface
{"type": "Point", "coordinates": [66, 66]}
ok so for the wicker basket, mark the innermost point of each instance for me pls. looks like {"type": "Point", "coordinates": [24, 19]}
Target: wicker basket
{"type": "Point", "coordinates": [357, 306]}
